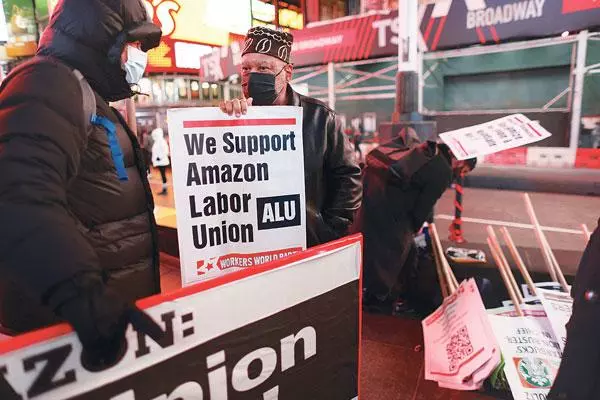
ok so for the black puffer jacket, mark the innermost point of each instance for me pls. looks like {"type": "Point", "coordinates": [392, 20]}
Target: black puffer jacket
{"type": "Point", "coordinates": [63, 210]}
{"type": "Point", "coordinates": [331, 173]}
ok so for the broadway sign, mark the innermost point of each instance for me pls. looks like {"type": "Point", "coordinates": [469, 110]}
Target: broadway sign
{"type": "Point", "coordinates": [445, 24]}
{"type": "Point", "coordinates": [286, 330]}
{"type": "Point", "coordinates": [456, 23]}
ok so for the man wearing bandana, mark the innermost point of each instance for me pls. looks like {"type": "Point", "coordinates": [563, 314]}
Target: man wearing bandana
{"type": "Point", "coordinates": [77, 231]}
{"type": "Point", "coordinates": [332, 175]}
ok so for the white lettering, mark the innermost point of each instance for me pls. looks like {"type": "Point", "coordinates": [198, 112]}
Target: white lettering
{"type": "Point", "coordinates": [508, 12]}
{"type": "Point", "coordinates": [480, 18]}
{"type": "Point", "coordinates": [268, 215]}
{"type": "Point", "coordinates": [217, 378]}
{"type": "Point", "coordinates": [489, 16]}
{"type": "Point", "coordinates": [381, 27]}
{"type": "Point", "coordinates": [470, 20]}
{"type": "Point", "coordinates": [504, 14]}
{"type": "Point", "coordinates": [520, 9]}
{"type": "Point", "coordinates": [540, 7]}
{"type": "Point", "coordinates": [165, 12]}
{"type": "Point", "coordinates": [531, 10]}
{"type": "Point", "coordinates": [317, 43]}
{"type": "Point", "coordinates": [241, 380]}
{"type": "Point", "coordinates": [272, 394]}
{"type": "Point", "coordinates": [288, 347]}
{"type": "Point", "coordinates": [186, 391]}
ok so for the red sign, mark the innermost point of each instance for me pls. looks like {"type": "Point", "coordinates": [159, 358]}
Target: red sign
{"type": "Point", "coordinates": [350, 39]}
{"type": "Point", "coordinates": [571, 6]}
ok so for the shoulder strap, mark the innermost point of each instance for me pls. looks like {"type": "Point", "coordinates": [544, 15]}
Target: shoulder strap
{"type": "Point", "coordinates": [89, 99]}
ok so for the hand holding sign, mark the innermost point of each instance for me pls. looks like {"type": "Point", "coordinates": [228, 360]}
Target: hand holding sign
{"type": "Point", "coordinates": [100, 318]}
{"type": "Point", "coordinates": [238, 107]}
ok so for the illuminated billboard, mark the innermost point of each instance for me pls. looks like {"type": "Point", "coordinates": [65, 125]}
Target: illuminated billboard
{"type": "Point", "coordinates": [191, 28]}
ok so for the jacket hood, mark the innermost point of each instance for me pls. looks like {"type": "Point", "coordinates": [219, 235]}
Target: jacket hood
{"type": "Point", "coordinates": [89, 35]}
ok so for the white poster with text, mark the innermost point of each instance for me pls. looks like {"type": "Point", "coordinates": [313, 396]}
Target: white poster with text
{"type": "Point", "coordinates": [239, 188]}
{"type": "Point", "coordinates": [558, 307]}
{"type": "Point", "coordinates": [531, 351]}
{"type": "Point", "coordinates": [491, 137]}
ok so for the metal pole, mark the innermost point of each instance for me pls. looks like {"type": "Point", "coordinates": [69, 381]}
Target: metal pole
{"type": "Point", "coordinates": [331, 85]}
{"type": "Point", "coordinates": [582, 39]}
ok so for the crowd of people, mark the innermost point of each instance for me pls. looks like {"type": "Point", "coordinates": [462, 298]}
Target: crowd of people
{"type": "Point", "coordinates": [78, 235]}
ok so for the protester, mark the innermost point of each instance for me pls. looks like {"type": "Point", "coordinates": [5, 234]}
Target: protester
{"type": "Point", "coordinates": [160, 156]}
{"type": "Point", "coordinates": [332, 175]}
{"type": "Point", "coordinates": [580, 366]}
{"type": "Point", "coordinates": [78, 232]}
{"type": "Point", "coordinates": [402, 184]}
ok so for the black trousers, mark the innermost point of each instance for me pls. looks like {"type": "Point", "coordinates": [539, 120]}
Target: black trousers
{"type": "Point", "coordinates": [163, 173]}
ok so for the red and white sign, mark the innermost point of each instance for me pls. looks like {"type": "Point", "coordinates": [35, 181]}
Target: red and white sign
{"type": "Point", "coordinates": [460, 352]}
{"type": "Point", "coordinates": [239, 188]}
{"type": "Point", "coordinates": [348, 39]}
{"type": "Point", "coordinates": [287, 330]}
{"type": "Point", "coordinates": [491, 137]}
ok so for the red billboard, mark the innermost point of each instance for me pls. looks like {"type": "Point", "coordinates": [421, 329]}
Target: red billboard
{"type": "Point", "coordinates": [348, 39]}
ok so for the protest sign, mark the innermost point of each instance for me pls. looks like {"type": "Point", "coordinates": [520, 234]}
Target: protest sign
{"type": "Point", "coordinates": [457, 340]}
{"type": "Point", "coordinates": [531, 352]}
{"type": "Point", "coordinates": [239, 188]}
{"type": "Point", "coordinates": [558, 307]}
{"type": "Point", "coordinates": [497, 135]}
{"type": "Point", "coordinates": [286, 330]}
{"type": "Point", "coordinates": [554, 286]}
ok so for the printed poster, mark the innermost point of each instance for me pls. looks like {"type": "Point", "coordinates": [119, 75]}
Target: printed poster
{"type": "Point", "coordinates": [239, 188]}
{"type": "Point", "coordinates": [558, 307]}
{"type": "Point", "coordinates": [288, 330]}
{"type": "Point", "coordinates": [531, 351]}
{"type": "Point", "coordinates": [491, 137]}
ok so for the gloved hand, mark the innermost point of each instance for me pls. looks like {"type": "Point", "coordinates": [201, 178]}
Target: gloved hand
{"type": "Point", "coordinates": [100, 318]}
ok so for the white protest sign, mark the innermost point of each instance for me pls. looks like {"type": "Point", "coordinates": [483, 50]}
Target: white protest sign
{"type": "Point", "coordinates": [494, 136]}
{"type": "Point", "coordinates": [287, 330]}
{"type": "Point", "coordinates": [239, 188]}
{"type": "Point", "coordinates": [531, 352]}
{"type": "Point", "coordinates": [554, 286]}
{"type": "Point", "coordinates": [558, 307]}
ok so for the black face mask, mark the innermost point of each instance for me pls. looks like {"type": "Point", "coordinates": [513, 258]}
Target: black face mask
{"type": "Point", "coordinates": [261, 87]}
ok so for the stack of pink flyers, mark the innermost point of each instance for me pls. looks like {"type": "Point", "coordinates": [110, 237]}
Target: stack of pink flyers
{"type": "Point", "coordinates": [460, 347]}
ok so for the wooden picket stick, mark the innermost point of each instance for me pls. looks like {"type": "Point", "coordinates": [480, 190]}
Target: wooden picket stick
{"type": "Point", "coordinates": [505, 264]}
{"type": "Point", "coordinates": [444, 286]}
{"type": "Point", "coordinates": [507, 283]}
{"type": "Point", "coordinates": [450, 278]}
{"type": "Point", "coordinates": [518, 260]}
{"type": "Point", "coordinates": [539, 234]}
{"type": "Point", "coordinates": [586, 232]}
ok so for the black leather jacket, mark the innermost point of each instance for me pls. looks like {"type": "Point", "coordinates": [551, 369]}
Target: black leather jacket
{"type": "Point", "coordinates": [331, 172]}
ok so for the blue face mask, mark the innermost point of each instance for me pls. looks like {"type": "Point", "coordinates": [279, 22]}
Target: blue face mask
{"type": "Point", "coordinates": [136, 63]}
